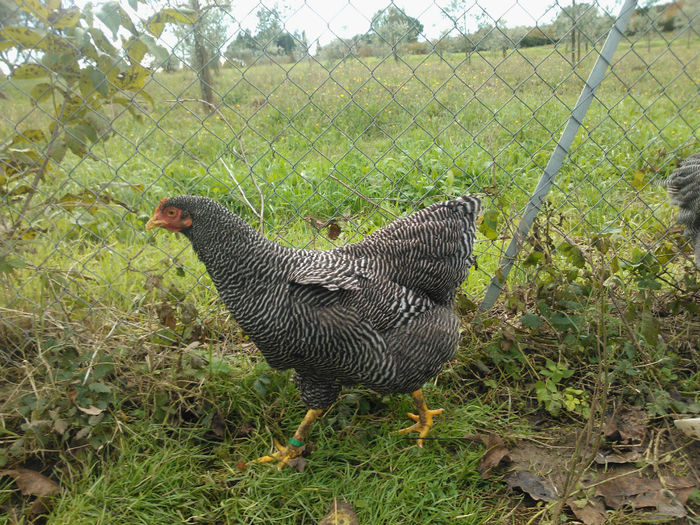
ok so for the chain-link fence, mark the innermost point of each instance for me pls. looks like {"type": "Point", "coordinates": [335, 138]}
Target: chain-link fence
{"type": "Point", "coordinates": [318, 123]}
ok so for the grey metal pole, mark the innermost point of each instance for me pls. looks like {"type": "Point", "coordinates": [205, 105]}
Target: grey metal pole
{"type": "Point", "coordinates": [559, 154]}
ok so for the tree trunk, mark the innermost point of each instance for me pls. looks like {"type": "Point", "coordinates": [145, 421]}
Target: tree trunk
{"type": "Point", "coordinates": [573, 32]}
{"type": "Point", "coordinates": [201, 65]}
{"type": "Point", "coordinates": [578, 47]}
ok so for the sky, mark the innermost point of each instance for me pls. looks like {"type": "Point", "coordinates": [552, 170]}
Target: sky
{"type": "Point", "coordinates": [325, 20]}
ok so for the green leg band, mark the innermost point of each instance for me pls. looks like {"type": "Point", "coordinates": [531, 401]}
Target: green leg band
{"type": "Point", "coordinates": [295, 442]}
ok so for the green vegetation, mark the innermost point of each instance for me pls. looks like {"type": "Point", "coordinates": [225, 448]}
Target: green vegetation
{"type": "Point", "coordinates": [124, 379]}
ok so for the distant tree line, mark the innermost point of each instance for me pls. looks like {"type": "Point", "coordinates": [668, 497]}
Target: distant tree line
{"type": "Point", "coordinates": [577, 27]}
{"type": "Point", "coordinates": [212, 40]}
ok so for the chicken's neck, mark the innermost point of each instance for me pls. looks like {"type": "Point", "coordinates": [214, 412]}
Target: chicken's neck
{"type": "Point", "coordinates": [236, 256]}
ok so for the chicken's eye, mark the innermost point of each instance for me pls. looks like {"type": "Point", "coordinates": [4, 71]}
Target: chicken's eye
{"type": "Point", "coordinates": [170, 212]}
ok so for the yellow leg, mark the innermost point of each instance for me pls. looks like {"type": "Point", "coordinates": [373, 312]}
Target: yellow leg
{"type": "Point", "coordinates": [296, 445]}
{"type": "Point", "coordinates": [424, 419]}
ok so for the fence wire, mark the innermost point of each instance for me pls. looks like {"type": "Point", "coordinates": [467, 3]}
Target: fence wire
{"type": "Point", "coordinates": [318, 123]}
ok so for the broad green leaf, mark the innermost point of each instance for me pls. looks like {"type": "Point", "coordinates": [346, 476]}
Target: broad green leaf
{"type": "Point", "coordinates": [30, 71]}
{"type": "Point", "coordinates": [40, 92]}
{"type": "Point", "coordinates": [21, 190]}
{"type": "Point", "coordinates": [123, 101]}
{"type": "Point", "coordinates": [57, 149]}
{"type": "Point", "coordinates": [533, 259]}
{"type": "Point", "coordinates": [101, 42]}
{"type": "Point", "coordinates": [81, 37]}
{"type": "Point", "coordinates": [136, 49]}
{"type": "Point", "coordinates": [53, 5]}
{"type": "Point", "coordinates": [86, 130]}
{"type": "Point", "coordinates": [98, 80]}
{"type": "Point", "coordinates": [100, 388]}
{"type": "Point", "coordinates": [65, 18]}
{"type": "Point", "coordinates": [34, 135]}
{"type": "Point", "coordinates": [156, 23]}
{"type": "Point", "coordinates": [58, 62]}
{"type": "Point", "coordinates": [109, 66]}
{"type": "Point", "coordinates": [22, 37]}
{"type": "Point", "coordinates": [649, 328]}
{"type": "Point", "coordinates": [531, 320]}
{"type": "Point", "coordinates": [110, 15]}
{"type": "Point", "coordinates": [100, 124]}
{"type": "Point", "coordinates": [132, 79]}
{"type": "Point", "coordinates": [147, 97]}
{"type": "Point", "coordinates": [88, 15]}
{"type": "Point", "coordinates": [638, 181]}
{"type": "Point", "coordinates": [34, 7]}
{"type": "Point", "coordinates": [489, 224]}
{"type": "Point", "coordinates": [159, 52]}
{"type": "Point", "coordinates": [573, 254]}
{"type": "Point", "coordinates": [136, 113]}
{"type": "Point", "coordinates": [84, 199]}
{"type": "Point", "coordinates": [57, 44]}
{"type": "Point", "coordinates": [74, 108]}
{"type": "Point", "coordinates": [10, 264]}
{"type": "Point", "coordinates": [126, 21]}
{"type": "Point", "coordinates": [77, 140]}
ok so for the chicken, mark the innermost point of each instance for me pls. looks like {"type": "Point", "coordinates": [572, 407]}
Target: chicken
{"type": "Point", "coordinates": [379, 312]}
{"type": "Point", "coordinates": [684, 190]}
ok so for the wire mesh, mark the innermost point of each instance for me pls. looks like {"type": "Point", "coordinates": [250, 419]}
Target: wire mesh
{"type": "Point", "coordinates": [318, 123]}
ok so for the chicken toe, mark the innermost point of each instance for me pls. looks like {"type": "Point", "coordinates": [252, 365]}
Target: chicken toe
{"type": "Point", "coordinates": [424, 418]}
{"type": "Point", "coordinates": [296, 444]}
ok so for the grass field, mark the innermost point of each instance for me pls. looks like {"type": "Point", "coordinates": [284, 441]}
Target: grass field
{"type": "Point", "coordinates": [97, 313]}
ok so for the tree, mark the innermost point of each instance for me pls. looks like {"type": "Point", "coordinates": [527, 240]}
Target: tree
{"type": "Point", "coordinates": [573, 22]}
{"type": "Point", "coordinates": [341, 48]}
{"type": "Point", "coordinates": [211, 28]}
{"type": "Point", "coordinates": [270, 38]}
{"type": "Point", "coordinates": [456, 11]}
{"type": "Point", "coordinates": [392, 26]}
{"type": "Point", "coordinates": [200, 45]}
{"type": "Point", "coordinates": [77, 76]}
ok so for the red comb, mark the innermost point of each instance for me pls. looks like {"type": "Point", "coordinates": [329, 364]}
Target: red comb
{"type": "Point", "coordinates": [161, 203]}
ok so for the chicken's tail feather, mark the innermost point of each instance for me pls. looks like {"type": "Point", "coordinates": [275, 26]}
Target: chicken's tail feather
{"type": "Point", "coordinates": [684, 191]}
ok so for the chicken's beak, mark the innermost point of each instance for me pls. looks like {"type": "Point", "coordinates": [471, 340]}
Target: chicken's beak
{"type": "Point", "coordinates": [154, 222]}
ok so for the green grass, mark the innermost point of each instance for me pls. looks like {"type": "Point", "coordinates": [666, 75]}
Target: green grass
{"type": "Point", "coordinates": [158, 474]}
{"type": "Point", "coordinates": [400, 134]}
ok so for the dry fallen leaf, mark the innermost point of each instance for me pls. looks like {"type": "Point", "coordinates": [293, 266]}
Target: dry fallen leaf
{"type": "Point", "coordinates": [298, 463]}
{"type": "Point", "coordinates": [630, 456]}
{"type": "Point", "coordinates": [341, 513]}
{"type": "Point", "coordinates": [31, 483]}
{"type": "Point", "coordinates": [627, 426]}
{"type": "Point", "coordinates": [218, 424]}
{"type": "Point", "coordinates": [152, 282]}
{"type": "Point", "coordinates": [166, 315]}
{"type": "Point", "coordinates": [495, 452]}
{"type": "Point", "coordinates": [622, 487]}
{"type": "Point", "coordinates": [536, 486]}
{"type": "Point", "coordinates": [91, 411]}
{"type": "Point", "coordinates": [590, 511]}
{"type": "Point", "coordinates": [334, 231]}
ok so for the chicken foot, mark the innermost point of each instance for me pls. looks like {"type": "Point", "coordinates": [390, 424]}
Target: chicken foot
{"type": "Point", "coordinates": [424, 418]}
{"type": "Point", "coordinates": [296, 444]}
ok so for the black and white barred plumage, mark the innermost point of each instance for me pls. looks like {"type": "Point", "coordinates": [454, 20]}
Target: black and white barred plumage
{"type": "Point", "coordinates": [378, 313]}
{"type": "Point", "coordinates": [684, 191]}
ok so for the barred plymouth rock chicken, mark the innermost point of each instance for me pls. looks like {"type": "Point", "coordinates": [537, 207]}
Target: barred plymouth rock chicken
{"type": "Point", "coordinates": [684, 190]}
{"type": "Point", "coordinates": [378, 313]}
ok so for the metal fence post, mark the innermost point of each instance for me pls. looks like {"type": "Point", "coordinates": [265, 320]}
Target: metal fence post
{"type": "Point", "coordinates": [558, 155]}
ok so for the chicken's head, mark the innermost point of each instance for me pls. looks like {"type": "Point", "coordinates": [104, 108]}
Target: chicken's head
{"type": "Point", "coordinates": [169, 217]}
